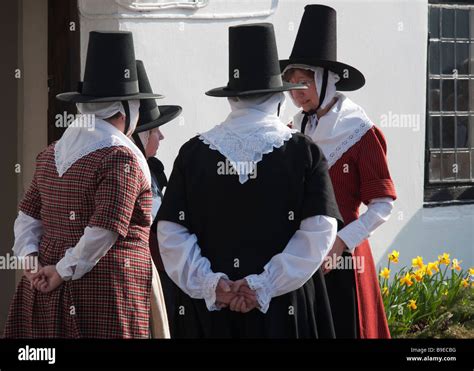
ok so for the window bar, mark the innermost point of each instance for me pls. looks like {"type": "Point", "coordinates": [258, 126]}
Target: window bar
{"type": "Point", "coordinates": [441, 95]}
{"type": "Point", "coordinates": [456, 77]}
{"type": "Point", "coordinates": [469, 123]}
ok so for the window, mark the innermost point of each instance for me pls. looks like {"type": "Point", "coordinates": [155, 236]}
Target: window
{"type": "Point", "coordinates": [449, 176]}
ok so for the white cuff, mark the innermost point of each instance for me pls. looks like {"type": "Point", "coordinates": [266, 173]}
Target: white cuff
{"type": "Point", "coordinates": [65, 265]}
{"type": "Point", "coordinates": [82, 258]}
{"type": "Point", "coordinates": [27, 250]}
{"type": "Point", "coordinates": [353, 234]}
{"type": "Point", "coordinates": [378, 212]}
{"type": "Point", "coordinates": [209, 290]}
{"type": "Point", "coordinates": [263, 290]}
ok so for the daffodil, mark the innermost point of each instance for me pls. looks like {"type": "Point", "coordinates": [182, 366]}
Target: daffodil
{"type": "Point", "coordinates": [385, 273]}
{"type": "Point", "coordinates": [455, 265]}
{"type": "Point", "coordinates": [385, 291]}
{"type": "Point", "coordinates": [464, 283]}
{"type": "Point", "coordinates": [418, 262]}
{"type": "Point", "coordinates": [471, 271]}
{"type": "Point", "coordinates": [432, 266]}
{"type": "Point", "coordinates": [406, 280]}
{"type": "Point", "coordinates": [393, 256]}
{"type": "Point", "coordinates": [412, 304]}
{"type": "Point", "coordinates": [418, 275]}
{"type": "Point", "coordinates": [444, 259]}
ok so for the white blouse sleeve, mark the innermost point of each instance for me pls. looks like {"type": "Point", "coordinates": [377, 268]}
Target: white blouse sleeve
{"type": "Point", "coordinates": [93, 246]}
{"type": "Point", "coordinates": [294, 266]}
{"type": "Point", "coordinates": [28, 232]}
{"type": "Point", "coordinates": [185, 265]}
{"type": "Point", "coordinates": [378, 212]}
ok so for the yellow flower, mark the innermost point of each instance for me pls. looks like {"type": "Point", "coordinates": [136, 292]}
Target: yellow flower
{"type": "Point", "coordinates": [385, 291]}
{"type": "Point", "coordinates": [455, 265]}
{"type": "Point", "coordinates": [464, 283]}
{"type": "Point", "coordinates": [412, 304]}
{"type": "Point", "coordinates": [393, 256]}
{"type": "Point", "coordinates": [445, 293]}
{"type": "Point", "coordinates": [385, 273]}
{"type": "Point", "coordinates": [444, 259]}
{"type": "Point", "coordinates": [471, 271]}
{"type": "Point", "coordinates": [418, 275]}
{"type": "Point", "coordinates": [406, 280]}
{"type": "Point", "coordinates": [432, 266]}
{"type": "Point", "coordinates": [417, 262]}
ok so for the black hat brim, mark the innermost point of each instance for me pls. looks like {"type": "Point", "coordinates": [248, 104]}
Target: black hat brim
{"type": "Point", "coordinates": [355, 81]}
{"type": "Point", "coordinates": [76, 97]}
{"type": "Point", "coordinates": [224, 91]}
{"type": "Point", "coordinates": [167, 113]}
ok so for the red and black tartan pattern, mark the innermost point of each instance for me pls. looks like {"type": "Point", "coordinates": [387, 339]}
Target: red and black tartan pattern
{"type": "Point", "coordinates": [105, 189]}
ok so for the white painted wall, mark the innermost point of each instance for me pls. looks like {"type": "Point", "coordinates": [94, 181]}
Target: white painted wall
{"type": "Point", "coordinates": [185, 52]}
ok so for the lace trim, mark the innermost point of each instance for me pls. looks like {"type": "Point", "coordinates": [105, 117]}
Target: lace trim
{"type": "Point", "coordinates": [263, 292]}
{"type": "Point", "coordinates": [62, 168]}
{"type": "Point", "coordinates": [248, 150]}
{"type": "Point", "coordinates": [352, 139]}
{"type": "Point", "coordinates": [209, 290]}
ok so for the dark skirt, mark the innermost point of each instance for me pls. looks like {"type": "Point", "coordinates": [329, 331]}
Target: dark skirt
{"type": "Point", "coordinates": [341, 289]}
{"type": "Point", "coordinates": [303, 313]}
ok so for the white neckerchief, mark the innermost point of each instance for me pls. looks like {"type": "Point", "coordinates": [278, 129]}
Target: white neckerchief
{"type": "Point", "coordinates": [339, 129]}
{"type": "Point", "coordinates": [78, 141]}
{"type": "Point", "coordinates": [251, 130]}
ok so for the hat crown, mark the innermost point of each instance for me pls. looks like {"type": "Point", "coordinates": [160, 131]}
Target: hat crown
{"type": "Point", "coordinates": [317, 34]}
{"type": "Point", "coordinates": [253, 57]}
{"type": "Point", "coordinates": [149, 110]}
{"type": "Point", "coordinates": [110, 65]}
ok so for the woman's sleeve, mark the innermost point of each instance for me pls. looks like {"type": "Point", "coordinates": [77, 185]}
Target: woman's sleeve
{"type": "Point", "coordinates": [82, 258]}
{"type": "Point", "coordinates": [117, 192]}
{"type": "Point", "coordinates": [302, 256]}
{"type": "Point", "coordinates": [378, 212]}
{"type": "Point", "coordinates": [31, 202]}
{"type": "Point", "coordinates": [28, 232]}
{"type": "Point", "coordinates": [185, 265]}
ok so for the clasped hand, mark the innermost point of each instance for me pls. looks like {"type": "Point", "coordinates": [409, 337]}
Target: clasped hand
{"type": "Point", "coordinates": [45, 280]}
{"type": "Point", "coordinates": [235, 295]}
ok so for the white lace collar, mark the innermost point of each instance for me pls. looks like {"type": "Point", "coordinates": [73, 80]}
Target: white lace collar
{"type": "Point", "coordinates": [339, 129]}
{"type": "Point", "coordinates": [251, 130]}
{"type": "Point", "coordinates": [79, 140]}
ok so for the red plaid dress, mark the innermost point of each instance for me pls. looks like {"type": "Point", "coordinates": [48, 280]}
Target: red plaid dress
{"type": "Point", "coordinates": [106, 189]}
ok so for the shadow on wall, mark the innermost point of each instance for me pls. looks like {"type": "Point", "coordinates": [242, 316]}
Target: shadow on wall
{"type": "Point", "coordinates": [433, 231]}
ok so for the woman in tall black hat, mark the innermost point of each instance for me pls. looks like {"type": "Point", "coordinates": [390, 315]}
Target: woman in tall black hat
{"type": "Point", "coordinates": [87, 213]}
{"type": "Point", "coordinates": [356, 152]}
{"type": "Point", "coordinates": [249, 212]}
{"type": "Point", "coordinates": [147, 137]}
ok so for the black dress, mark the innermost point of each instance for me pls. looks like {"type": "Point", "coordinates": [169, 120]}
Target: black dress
{"type": "Point", "coordinates": [240, 227]}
